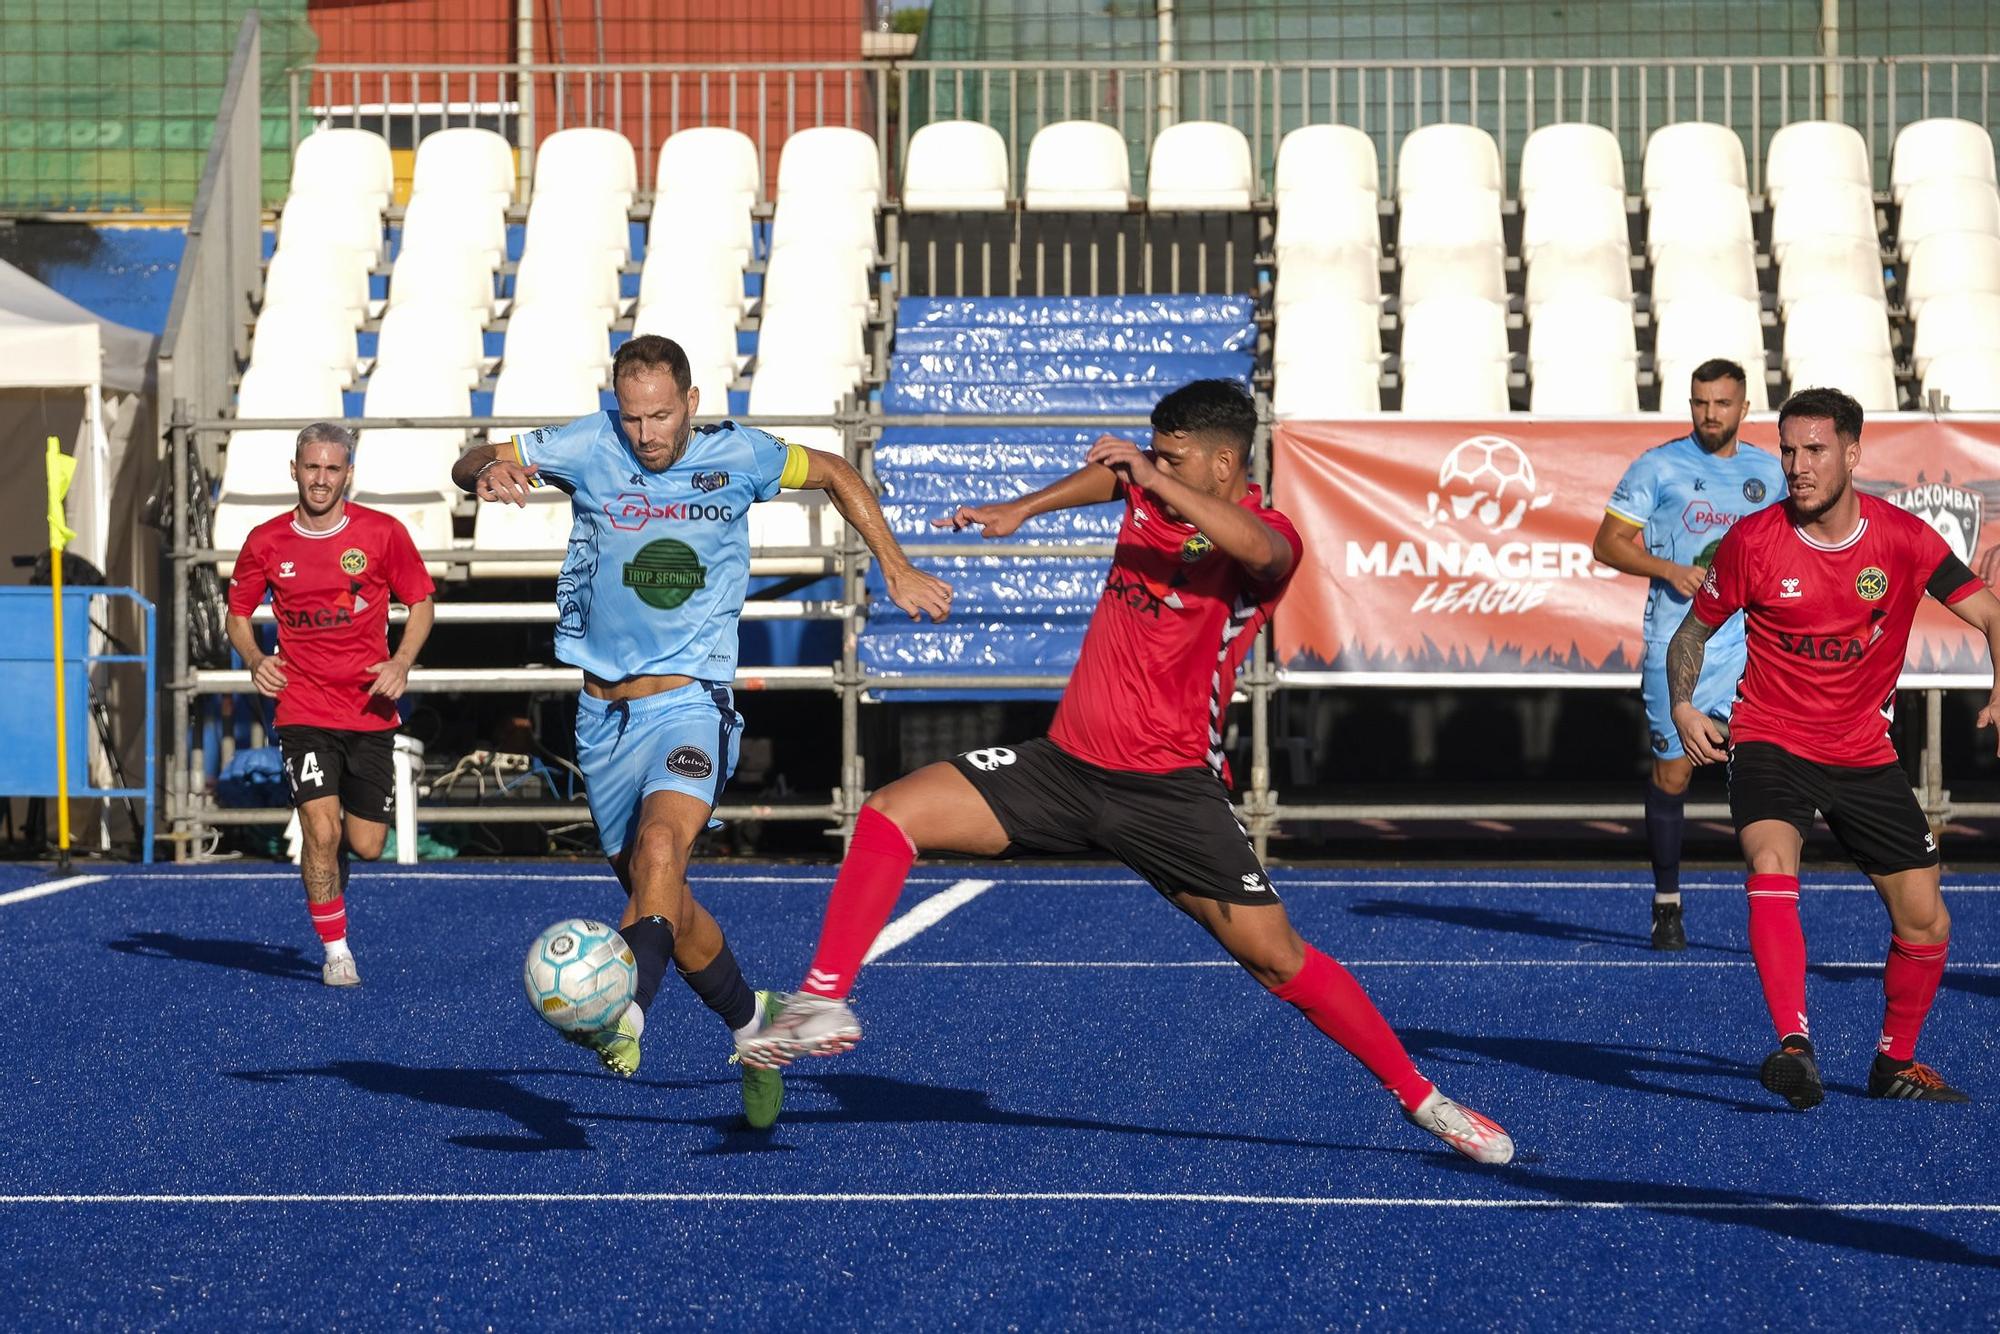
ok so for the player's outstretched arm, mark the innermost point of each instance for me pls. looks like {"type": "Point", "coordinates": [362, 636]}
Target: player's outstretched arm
{"type": "Point", "coordinates": [494, 472]}
{"type": "Point", "coordinates": [1981, 611]}
{"type": "Point", "coordinates": [1092, 484]}
{"type": "Point", "coordinates": [1701, 738]}
{"type": "Point", "coordinates": [1237, 533]}
{"type": "Point", "coordinates": [915, 592]}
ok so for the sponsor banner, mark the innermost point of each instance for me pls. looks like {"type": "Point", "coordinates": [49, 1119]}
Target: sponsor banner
{"type": "Point", "coordinates": [1459, 552]}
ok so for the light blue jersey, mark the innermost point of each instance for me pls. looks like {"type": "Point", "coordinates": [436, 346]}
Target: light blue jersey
{"type": "Point", "coordinates": [1685, 499]}
{"type": "Point", "coordinates": [658, 563]}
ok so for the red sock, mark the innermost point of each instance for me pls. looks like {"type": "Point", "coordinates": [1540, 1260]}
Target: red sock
{"type": "Point", "coordinates": [329, 918]}
{"type": "Point", "coordinates": [1778, 943]}
{"type": "Point", "coordinates": [870, 880]}
{"type": "Point", "coordinates": [1909, 984]}
{"type": "Point", "coordinates": [1328, 995]}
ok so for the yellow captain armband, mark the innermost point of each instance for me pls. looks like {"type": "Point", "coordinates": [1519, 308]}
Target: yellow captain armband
{"type": "Point", "coordinates": [796, 467]}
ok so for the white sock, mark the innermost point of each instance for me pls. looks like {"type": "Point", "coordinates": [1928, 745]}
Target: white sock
{"type": "Point", "coordinates": [337, 950]}
{"type": "Point", "coordinates": [756, 1024]}
{"type": "Point", "coordinates": [638, 1018]}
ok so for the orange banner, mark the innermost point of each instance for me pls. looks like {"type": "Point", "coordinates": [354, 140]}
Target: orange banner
{"type": "Point", "coordinates": [1459, 552]}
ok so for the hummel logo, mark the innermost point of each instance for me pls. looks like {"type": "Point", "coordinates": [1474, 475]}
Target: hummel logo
{"type": "Point", "coordinates": [1791, 588]}
{"type": "Point", "coordinates": [285, 570]}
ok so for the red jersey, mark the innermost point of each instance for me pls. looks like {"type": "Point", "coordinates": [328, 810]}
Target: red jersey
{"type": "Point", "coordinates": [1160, 658]}
{"type": "Point", "coordinates": [331, 593]}
{"type": "Point", "coordinates": [1827, 627]}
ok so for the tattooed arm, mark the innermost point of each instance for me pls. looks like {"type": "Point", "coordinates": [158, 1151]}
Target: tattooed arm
{"type": "Point", "coordinates": [1700, 736]}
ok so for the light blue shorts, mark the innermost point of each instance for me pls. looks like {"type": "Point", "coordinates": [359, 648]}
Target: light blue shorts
{"type": "Point", "coordinates": [682, 740]}
{"type": "Point", "coordinates": [1714, 693]}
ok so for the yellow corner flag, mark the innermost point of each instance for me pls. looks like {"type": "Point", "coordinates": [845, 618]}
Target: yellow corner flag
{"type": "Point", "coordinates": [61, 468]}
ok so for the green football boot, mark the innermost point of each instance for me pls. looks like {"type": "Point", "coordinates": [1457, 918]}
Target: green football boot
{"type": "Point", "coordinates": [763, 1088]}
{"type": "Point", "coordinates": [617, 1046]}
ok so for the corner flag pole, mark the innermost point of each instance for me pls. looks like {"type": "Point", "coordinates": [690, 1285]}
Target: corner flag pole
{"type": "Point", "coordinates": [60, 468]}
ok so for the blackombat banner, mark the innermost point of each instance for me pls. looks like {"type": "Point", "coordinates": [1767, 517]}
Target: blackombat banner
{"type": "Point", "coordinates": [1458, 552]}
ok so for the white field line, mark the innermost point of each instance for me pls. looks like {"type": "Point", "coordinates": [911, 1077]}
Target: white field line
{"type": "Point", "coordinates": [51, 887]}
{"type": "Point", "coordinates": [1870, 964]}
{"type": "Point", "coordinates": [926, 915]}
{"type": "Point", "coordinates": [1017, 1197]}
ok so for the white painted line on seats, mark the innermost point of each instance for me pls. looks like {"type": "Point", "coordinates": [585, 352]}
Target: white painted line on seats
{"type": "Point", "coordinates": [926, 915]}
{"type": "Point", "coordinates": [1030, 1197]}
{"type": "Point", "coordinates": [51, 887]}
{"type": "Point", "coordinates": [1954, 966]}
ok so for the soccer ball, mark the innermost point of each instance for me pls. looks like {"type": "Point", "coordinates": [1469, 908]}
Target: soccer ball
{"type": "Point", "coordinates": [580, 975]}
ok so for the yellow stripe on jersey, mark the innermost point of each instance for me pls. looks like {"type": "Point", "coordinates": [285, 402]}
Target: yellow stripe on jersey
{"type": "Point", "coordinates": [796, 467]}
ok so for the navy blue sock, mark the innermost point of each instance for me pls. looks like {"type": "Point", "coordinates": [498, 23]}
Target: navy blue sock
{"type": "Point", "coordinates": [722, 989]}
{"type": "Point", "coordinates": [1666, 817]}
{"type": "Point", "coordinates": [652, 942]}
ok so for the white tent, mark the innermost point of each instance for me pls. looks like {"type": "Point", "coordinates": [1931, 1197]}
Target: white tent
{"type": "Point", "coordinates": [65, 372]}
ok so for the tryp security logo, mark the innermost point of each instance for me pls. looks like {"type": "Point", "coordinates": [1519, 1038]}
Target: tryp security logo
{"type": "Point", "coordinates": [665, 573]}
{"type": "Point", "coordinates": [1955, 511]}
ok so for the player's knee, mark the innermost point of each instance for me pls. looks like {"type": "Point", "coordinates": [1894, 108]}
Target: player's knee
{"type": "Point", "coordinates": [1923, 922]}
{"type": "Point", "coordinates": [320, 833]}
{"type": "Point", "coordinates": [1672, 778]}
{"type": "Point", "coordinates": [655, 851]}
{"type": "Point", "coordinates": [366, 840]}
{"type": "Point", "coordinates": [1274, 962]}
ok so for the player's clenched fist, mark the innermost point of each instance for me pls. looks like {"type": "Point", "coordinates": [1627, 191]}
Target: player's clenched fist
{"type": "Point", "coordinates": [1702, 738]}
{"type": "Point", "coordinates": [269, 676]}
{"type": "Point", "coordinates": [917, 593]}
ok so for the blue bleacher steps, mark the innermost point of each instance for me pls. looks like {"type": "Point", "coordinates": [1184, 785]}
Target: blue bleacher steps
{"type": "Point", "coordinates": [1053, 356]}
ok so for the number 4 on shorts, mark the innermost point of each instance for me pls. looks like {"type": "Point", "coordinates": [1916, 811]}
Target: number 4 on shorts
{"type": "Point", "coordinates": [309, 770]}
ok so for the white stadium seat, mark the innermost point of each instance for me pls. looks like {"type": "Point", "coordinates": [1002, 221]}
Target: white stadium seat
{"type": "Point", "coordinates": [1441, 389]}
{"type": "Point", "coordinates": [1583, 388]}
{"type": "Point", "coordinates": [955, 165]}
{"type": "Point", "coordinates": [813, 335]}
{"type": "Point", "coordinates": [1946, 204]}
{"type": "Point", "coordinates": [1692, 329]}
{"type": "Point", "coordinates": [304, 338]}
{"type": "Point", "coordinates": [809, 222]}
{"type": "Point", "coordinates": [464, 160]}
{"type": "Point", "coordinates": [445, 221]}
{"type": "Point", "coordinates": [446, 341]}
{"type": "Point", "coordinates": [587, 163]}
{"type": "Point", "coordinates": [1330, 332]}
{"type": "Point", "coordinates": [709, 159]}
{"type": "Point", "coordinates": [1683, 271]}
{"type": "Point", "coordinates": [453, 277]}
{"type": "Point", "coordinates": [579, 278]}
{"type": "Point", "coordinates": [1831, 208]}
{"type": "Point", "coordinates": [1448, 157]}
{"type": "Point", "coordinates": [1693, 154]}
{"type": "Point", "coordinates": [257, 468]}
{"type": "Point", "coordinates": [1560, 271]}
{"type": "Point", "coordinates": [1200, 166]}
{"type": "Point", "coordinates": [544, 523]}
{"type": "Point", "coordinates": [801, 391]}
{"type": "Point", "coordinates": [1455, 330]}
{"type": "Point", "coordinates": [1939, 148]}
{"type": "Point", "coordinates": [1816, 152]}
{"type": "Point", "coordinates": [406, 471]}
{"type": "Point", "coordinates": [558, 335]}
{"type": "Point", "coordinates": [341, 161]}
{"type": "Point", "coordinates": [1478, 271]}
{"type": "Point", "coordinates": [702, 236]}
{"type": "Point", "coordinates": [1574, 217]}
{"type": "Point", "coordinates": [288, 391]}
{"type": "Point", "coordinates": [1830, 264]}
{"type": "Point", "coordinates": [321, 222]}
{"type": "Point", "coordinates": [1871, 380]}
{"type": "Point", "coordinates": [1568, 155]}
{"type": "Point", "coordinates": [707, 335]}
{"type": "Point", "coordinates": [1310, 276]}
{"type": "Point", "coordinates": [1675, 381]}
{"type": "Point", "coordinates": [545, 393]}
{"type": "Point", "coordinates": [1836, 324]}
{"type": "Point", "coordinates": [579, 221]}
{"type": "Point", "coordinates": [1953, 323]}
{"type": "Point", "coordinates": [1969, 380]}
{"type": "Point", "coordinates": [1336, 218]}
{"type": "Point", "coordinates": [335, 281]}
{"type": "Point", "coordinates": [831, 160]}
{"type": "Point", "coordinates": [1078, 166]}
{"type": "Point", "coordinates": [1705, 218]}
{"type": "Point", "coordinates": [1590, 328]}
{"type": "Point", "coordinates": [1321, 157]}
{"type": "Point", "coordinates": [801, 275]}
{"type": "Point", "coordinates": [808, 521]}
{"type": "Point", "coordinates": [1448, 217]}
{"type": "Point", "coordinates": [1951, 262]}
{"type": "Point", "coordinates": [1328, 391]}
{"type": "Point", "coordinates": [667, 282]}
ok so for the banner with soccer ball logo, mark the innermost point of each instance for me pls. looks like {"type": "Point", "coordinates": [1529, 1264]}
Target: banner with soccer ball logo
{"type": "Point", "coordinates": [1459, 553]}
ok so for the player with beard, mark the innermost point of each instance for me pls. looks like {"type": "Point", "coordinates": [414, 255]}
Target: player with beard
{"type": "Point", "coordinates": [1133, 764]}
{"type": "Point", "coordinates": [330, 567]}
{"type": "Point", "coordinates": [1828, 584]}
{"type": "Point", "coordinates": [1663, 522]}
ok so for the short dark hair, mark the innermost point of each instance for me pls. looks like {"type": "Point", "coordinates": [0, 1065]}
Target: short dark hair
{"type": "Point", "coordinates": [325, 433]}
{"type": "Point", "coordinates": [1222, 406]}
{"type": "Point", "coordinates": [1818, 403]}
{"type": "Point", "coordinates": [1720, 368]}
{"type": "Point", "coordinates": [651, 352]}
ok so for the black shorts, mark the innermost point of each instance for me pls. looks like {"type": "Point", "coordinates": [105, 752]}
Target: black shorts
{"type": "Point", "coordinates": [357, 767]}
{"type": "Point", "coordinates": [1872, 812]}
{"type": "Point", "coordinates": [1176, 829]}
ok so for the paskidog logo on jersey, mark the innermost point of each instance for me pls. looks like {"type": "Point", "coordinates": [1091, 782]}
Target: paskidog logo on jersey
{"type": "Point", "coordinates": [1955, 511]}
{"type": "Point", "coordinates": [353, 561]}
{"type": "Point", "coordinates": [665, 573]}
{"type": "Point", "coordinates": [1871, 584]}
{"type": "Point", "coordinates": [630, 511]}
{"type": "Point", "coordinates": [1486, 487]}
